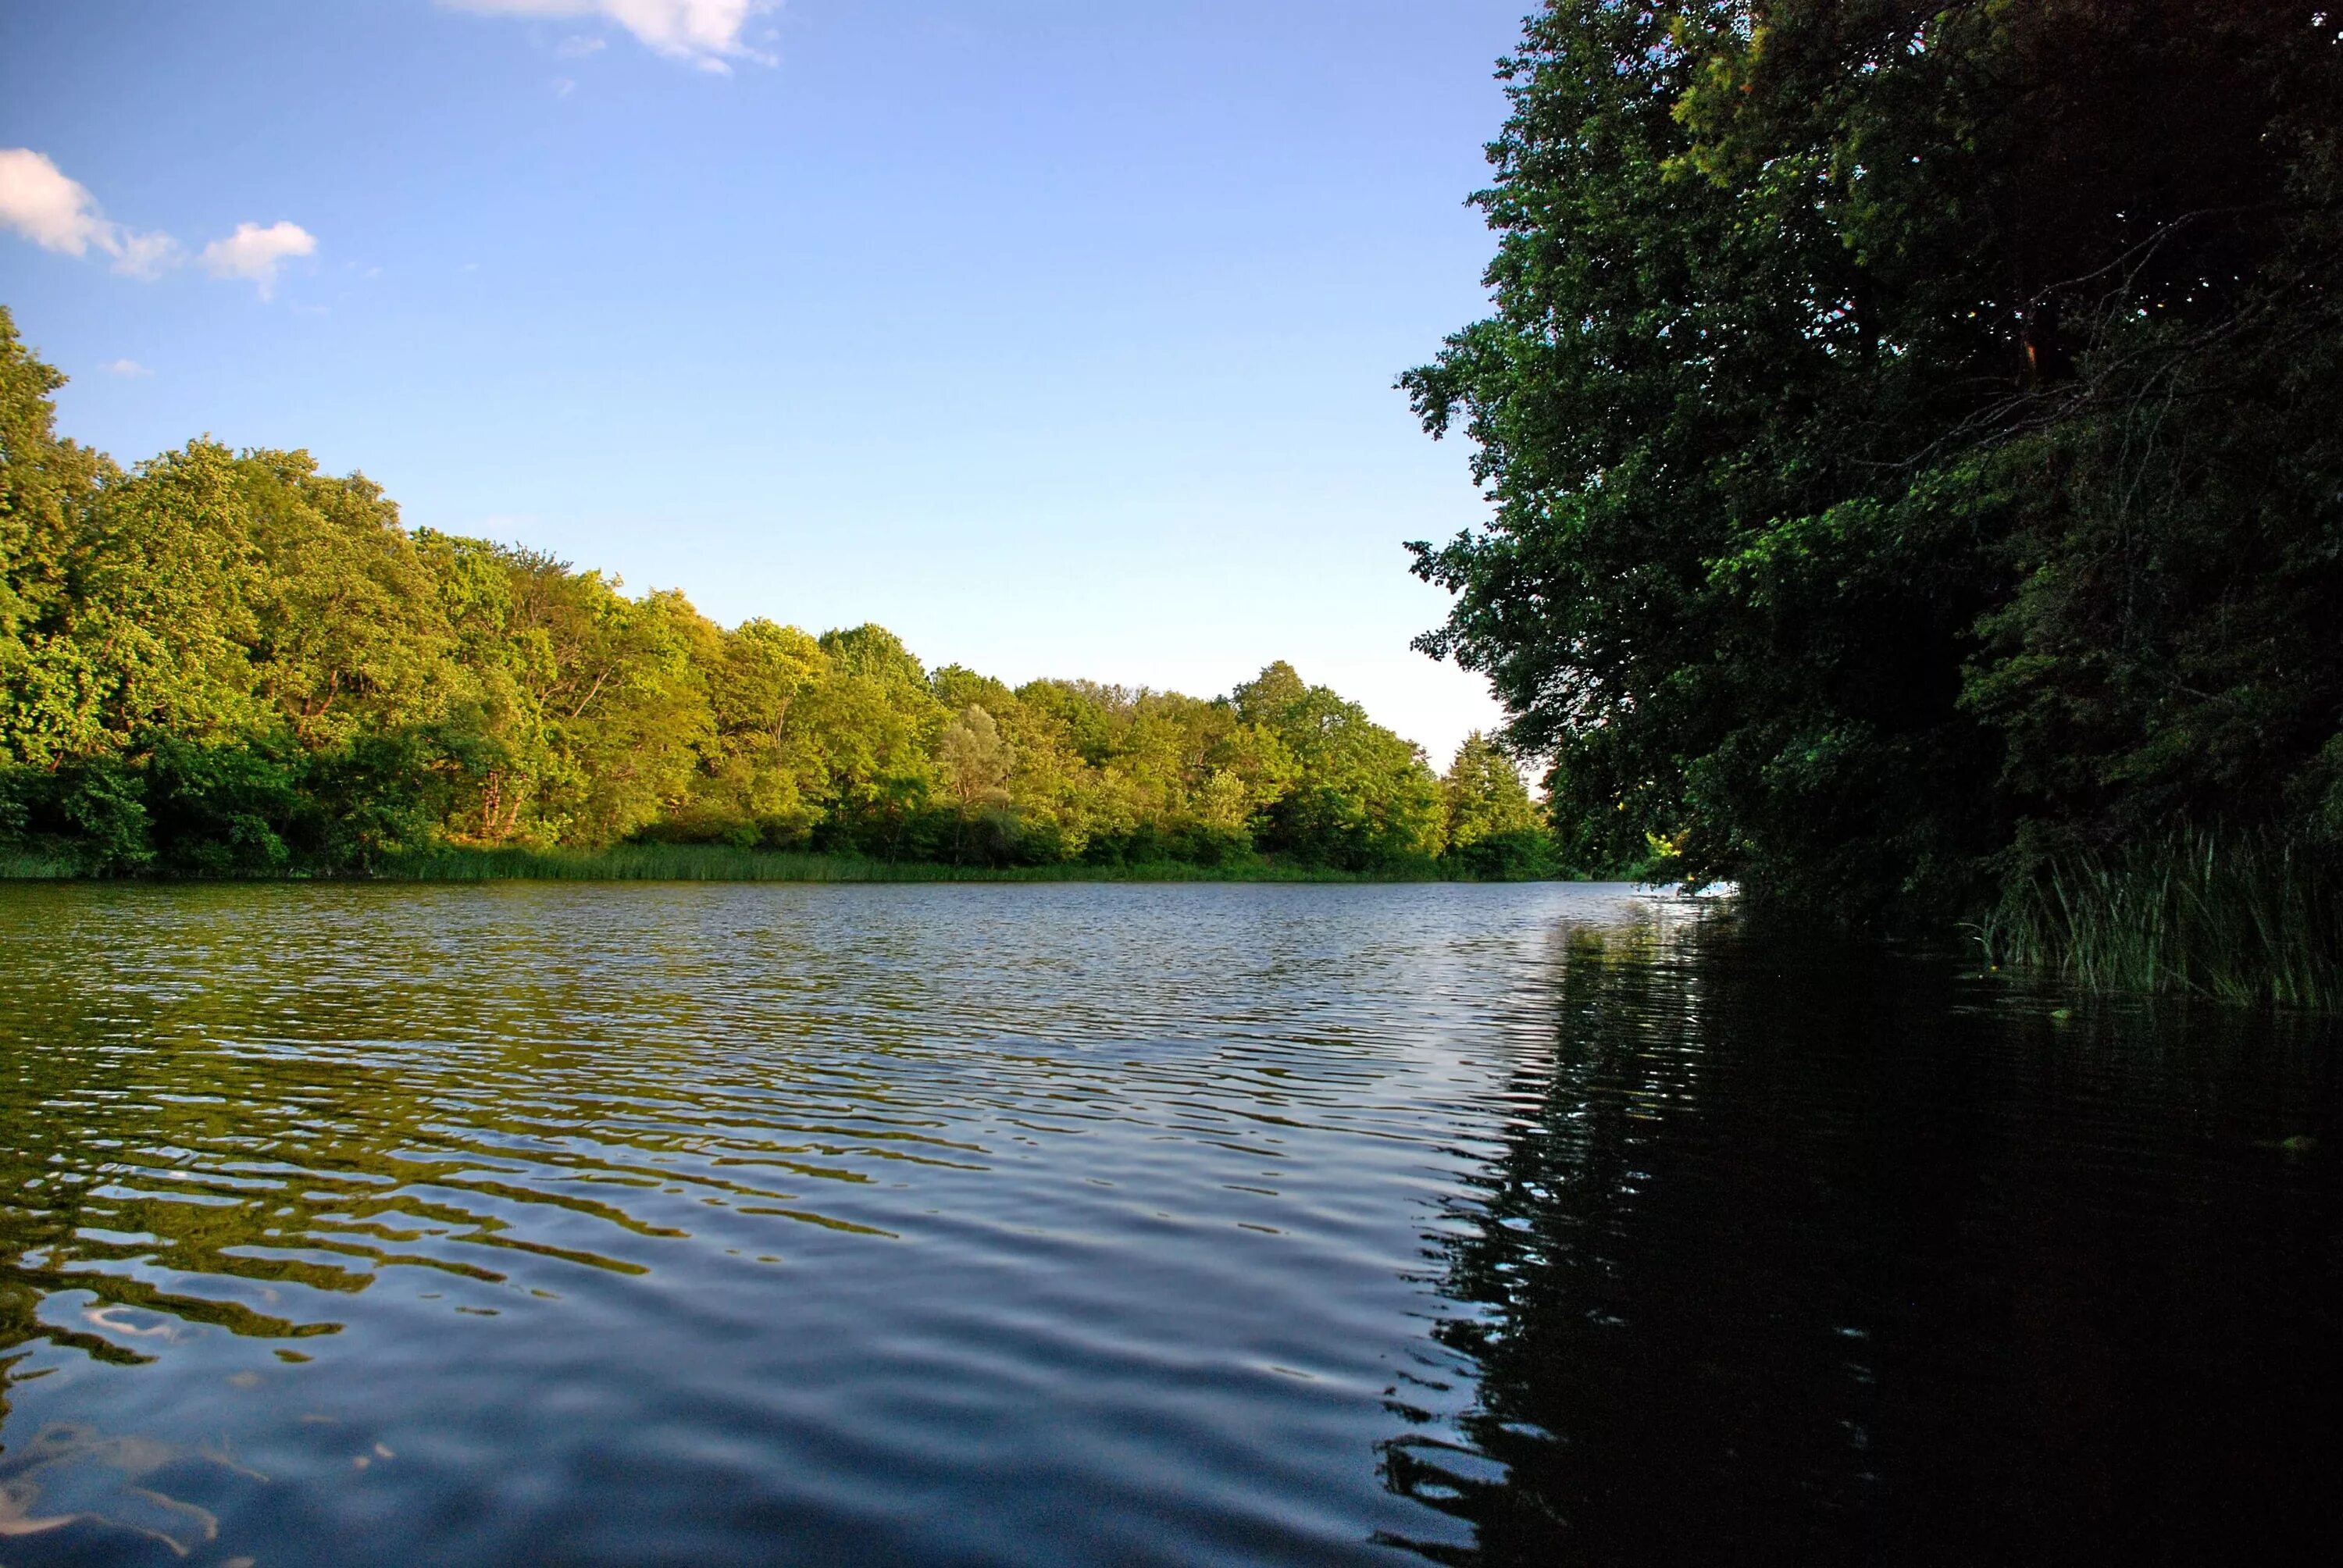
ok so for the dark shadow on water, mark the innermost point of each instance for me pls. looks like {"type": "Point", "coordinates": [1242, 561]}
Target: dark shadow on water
{"type": "Point", "coordinates": [1840, 1256]}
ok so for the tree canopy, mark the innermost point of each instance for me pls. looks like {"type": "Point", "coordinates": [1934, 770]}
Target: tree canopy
{"type": "Point", "coordinates": [223, 662]}
{"type": "Point", "coordinates": [1914, 431]}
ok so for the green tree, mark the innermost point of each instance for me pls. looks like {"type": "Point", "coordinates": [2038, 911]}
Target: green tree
{"type": "Point", "coordinates": [348, 635]}
{"type": "Point", "coordinates": [754, 785]}
{"type": "Point", "coordinates": [163, 609]}
{"type": "Point", "coordinates": [975, 761]}
{"type": "Point", "coordinates": [228, 664]}
{"type": "Point", "coordinates": [46, 487]}
{"type": "Point", "coordinates": [48, 689]}
{"type": "Point", "coordinates": [1360, 797]}
{"type": "Point", "coordinates": [1493, 826]}
{"type": "Point", "coordinates": [1909, 428]}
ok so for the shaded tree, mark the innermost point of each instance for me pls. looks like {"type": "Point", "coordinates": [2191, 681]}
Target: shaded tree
{"type": "Point", "coordinates": [1910, 429]}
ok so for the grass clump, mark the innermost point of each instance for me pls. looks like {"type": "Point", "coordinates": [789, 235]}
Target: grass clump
{"type": "Point", "coordinates": [2235, 917]}
{"type": "Point", "coordinates": [30, 865]}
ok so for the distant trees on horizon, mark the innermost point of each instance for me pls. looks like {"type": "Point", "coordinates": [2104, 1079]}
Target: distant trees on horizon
{"type": "Point", "coordinates": [229, 663]}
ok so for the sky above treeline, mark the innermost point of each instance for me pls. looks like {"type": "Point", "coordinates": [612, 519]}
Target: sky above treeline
{"type": "Point", "coordinates": [1056, 336]}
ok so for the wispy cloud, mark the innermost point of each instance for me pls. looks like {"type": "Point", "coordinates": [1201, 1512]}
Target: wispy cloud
{"type": "Point", "coordinates": [703, 33]}
{"type": "Point", "coordinates": [124, 367]}
{"type": "Point", "coordinates": [253, 253]}
{"type": "Point", "coordinates": [38, 201]}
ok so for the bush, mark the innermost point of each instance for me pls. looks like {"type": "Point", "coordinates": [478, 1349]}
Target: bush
{"type": "Point", "coordinates": [223, 809]}
{"type": "Point", "coordinates": [103, 805]}
{"type": "Point", "coordinates": [1523, 854]}
{"type": "Point", "coordinates": [380, 796]}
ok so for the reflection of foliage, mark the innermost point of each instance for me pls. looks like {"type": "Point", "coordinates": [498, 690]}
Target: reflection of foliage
{"type": "Point", "coordinates": [1789, 1257]}
{"type": "Point", "coordinates": [101, 1196]}
{"type": "Point", "coordinates": [1647, 1392]}
{"type": "Point", "coordinates": [190, 1183]}
{"type": "Point", "coordinates": [1659, 1377]}
{"type": "Point", "coordinates": [85, 1212]}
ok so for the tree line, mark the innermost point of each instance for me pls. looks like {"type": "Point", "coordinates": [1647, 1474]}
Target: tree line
{"type": "Point", "coordinates": [222, 662]}
{"type": "Point", "coordinates": [1915, 430]}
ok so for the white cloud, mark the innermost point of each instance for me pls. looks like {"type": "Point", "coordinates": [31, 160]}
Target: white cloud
{"type": "Point", "coordinates": [705, 32]}
{"type": "Point", "coordinates": [580, 46]}
{"type": "Point", "coordinates": [57, 213]}
{"type": "Point", "coordinates": [124, 367]}
{"type": "Point", "coordinates": [39, 202]}
{"type": "Point", "coordinates": [253, 253]}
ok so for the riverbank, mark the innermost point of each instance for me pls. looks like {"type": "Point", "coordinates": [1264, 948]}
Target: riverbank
{"type": "Point", "coordinates": [723, 863]}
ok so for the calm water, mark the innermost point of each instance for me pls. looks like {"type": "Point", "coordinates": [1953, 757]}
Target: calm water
{"type": "Point", "coordinates": [705, 1224]}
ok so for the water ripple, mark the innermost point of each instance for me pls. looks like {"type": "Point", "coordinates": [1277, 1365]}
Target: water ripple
{"type": "Point", "coordinates": [791, 1194]}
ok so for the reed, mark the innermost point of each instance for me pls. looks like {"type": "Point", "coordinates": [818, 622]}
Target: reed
{"type": "Point", "coordinates": [23, 865]}
{"type": "Point", "coordinates": [2238, 917]}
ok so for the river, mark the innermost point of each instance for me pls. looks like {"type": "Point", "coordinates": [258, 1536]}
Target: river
{"type": "Point", "coordinates": [558, 1223]}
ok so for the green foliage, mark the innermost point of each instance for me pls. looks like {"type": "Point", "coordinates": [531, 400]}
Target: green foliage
{"type": "Point", "coordinates": [662, 862]}
{"type": "Point", "coordinates": [101, 808]}
{"type": "Point", "coordinates": [376, 798]}
{"type": "Point", "coordinates": [2240, 917]}
{"type": "Point", "coordinates": [46, 489]}
{"type": "Point", "coordinates": [224, 664]}
{"type": "Point", "coordinates": [223, 809]}
{"type": "Point", "coordinates": [1913, 431]}
{"type": "Point", "coordinates": [1360, 796]}
{"type": "Point", "coordinates": [1493, 829]}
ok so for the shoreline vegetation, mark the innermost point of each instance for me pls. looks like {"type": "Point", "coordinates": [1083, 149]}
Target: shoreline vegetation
{"type": "Point", "coordinates": [220, 664]}
{"type": "Point", "coordinates": [1914, 443]}
{"type": "Point", "coordinates": [2230, 917]}
{"type": "Point", "coordinates": [730, 863]}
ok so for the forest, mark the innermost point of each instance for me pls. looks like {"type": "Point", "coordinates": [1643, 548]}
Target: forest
{"type": "Point", "coordinates": [229, 663]}
{"type": "Point", "coordinates": [1915, 438]}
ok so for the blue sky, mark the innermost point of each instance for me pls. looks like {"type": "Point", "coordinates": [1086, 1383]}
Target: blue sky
{"type": "Point", "coordinates": [1056, 334]}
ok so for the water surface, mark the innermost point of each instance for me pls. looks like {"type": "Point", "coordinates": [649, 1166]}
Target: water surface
{"type": "Point", "coordinates": [559, 1223]}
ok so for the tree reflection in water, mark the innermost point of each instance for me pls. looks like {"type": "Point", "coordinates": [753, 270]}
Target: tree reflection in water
{"type": "Point", "coordinates": [1846, 1256]}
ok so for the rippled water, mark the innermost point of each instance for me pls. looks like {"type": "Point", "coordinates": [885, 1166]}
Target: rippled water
{"type": "Point", "coordinates": [1101, 1224]}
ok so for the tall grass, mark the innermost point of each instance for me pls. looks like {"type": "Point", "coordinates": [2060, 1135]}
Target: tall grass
{"type": "Point", "coordinates": [23, 865]}
{"type": "Point", "coordinates": [721, 863]}
{"type": "Point", "coordinates": [2240, 917]}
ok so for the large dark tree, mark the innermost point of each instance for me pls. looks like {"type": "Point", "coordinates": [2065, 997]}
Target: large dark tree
{"type": "Point", "coordinates": [1915, 430]}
